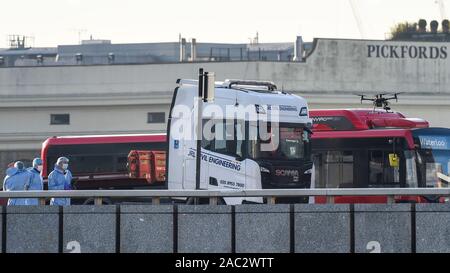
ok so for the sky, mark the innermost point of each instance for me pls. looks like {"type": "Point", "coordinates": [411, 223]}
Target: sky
{"type": "Point", "coordinates": [57, 22]}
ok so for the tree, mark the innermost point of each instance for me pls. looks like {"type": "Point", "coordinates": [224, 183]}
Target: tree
{"type": "Point", "coordinates": [403, 30]}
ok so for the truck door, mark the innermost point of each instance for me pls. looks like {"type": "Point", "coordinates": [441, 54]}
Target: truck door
{"type": "Point", "coordinates": [189, 168]}
{"type": "Point", "coordinates": [225, 154]}
{"type": "Point", "coordinates": [189, 161]}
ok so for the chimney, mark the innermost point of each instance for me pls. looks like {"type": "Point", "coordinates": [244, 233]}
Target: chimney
{"type": "Point", "coordinates": [434, 26]}
{"type": "Point", "coordinates": [422, 25]}
{"type": "Point", "coordinates": [298, 49]}
{"type": "Point", "coordinates": [445, 26]}
{"type": "Point", "coordinates": [193, 49]}
{"type": "Point", "coordinates": [182, 50]}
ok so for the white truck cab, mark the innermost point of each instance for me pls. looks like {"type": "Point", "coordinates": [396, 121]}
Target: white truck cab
{"type": "Point", "coordinates": [253, 137]}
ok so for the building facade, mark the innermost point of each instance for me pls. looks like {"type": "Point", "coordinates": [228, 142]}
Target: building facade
{"type": "Point", "coordinates": [92, 97]}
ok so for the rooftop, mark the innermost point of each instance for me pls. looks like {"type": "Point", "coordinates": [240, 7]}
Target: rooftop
{"type": "Point", "coordinates": [103, 52]}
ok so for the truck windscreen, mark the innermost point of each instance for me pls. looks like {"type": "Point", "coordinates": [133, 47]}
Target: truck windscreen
{"type": "Point", "coordinates": [279, 142]}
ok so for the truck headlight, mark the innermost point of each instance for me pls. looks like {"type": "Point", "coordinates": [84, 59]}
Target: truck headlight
{"type": "Point", "coordinates": [309, 171]}
{"type": "Point", "coordinates": [264, 170]}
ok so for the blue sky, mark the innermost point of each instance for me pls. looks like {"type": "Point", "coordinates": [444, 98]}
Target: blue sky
{"type": "Point", "coordinates": [53, 22]}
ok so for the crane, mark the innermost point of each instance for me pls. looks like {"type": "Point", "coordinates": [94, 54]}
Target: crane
{"type": "Point", "coordinates": [79, 31]}
{"type": "Point", "coordinates": [441, 9]}
{"type": "Point", "coordinates": [357, 18]}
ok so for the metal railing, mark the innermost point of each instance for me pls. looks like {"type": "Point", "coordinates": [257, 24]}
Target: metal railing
{"type": "Point", "coordinates": [214, 195]}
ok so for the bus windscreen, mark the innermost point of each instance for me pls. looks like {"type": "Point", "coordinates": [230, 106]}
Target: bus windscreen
{"type": "Point", "coordinates": [434, 159]}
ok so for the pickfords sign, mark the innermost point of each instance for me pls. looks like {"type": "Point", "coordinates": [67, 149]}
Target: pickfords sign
{"type": "Point", "coordinates": [406, 51]}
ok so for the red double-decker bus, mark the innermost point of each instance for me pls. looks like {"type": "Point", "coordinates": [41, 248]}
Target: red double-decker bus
{"type": "Point", "coordinates": [368, 148]}
{"type": "Point", "coordinates": [101, 162]}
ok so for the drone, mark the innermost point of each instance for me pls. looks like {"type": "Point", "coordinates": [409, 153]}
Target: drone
{"type": "Point", "coordinates": [379, 100]}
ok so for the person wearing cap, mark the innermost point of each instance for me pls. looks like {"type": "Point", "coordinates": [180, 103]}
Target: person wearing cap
{"type": "Point", "coordinates": [17, 179]}
{"type": "Point", "coordinates": [36, 181]}
{"type": "Point", "coordinates": [60, 179]}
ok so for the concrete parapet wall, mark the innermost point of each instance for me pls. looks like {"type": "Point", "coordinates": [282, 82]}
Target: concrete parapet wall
{"type": "Point", "coordinates": [262, 228]}
{"type": "Point", "coordinates": [146, 229]}
{"type": "Point", "coordinates": [204, 229]}
{"type": "Point", "coordinates": [322, 228]}
{"type": "Point", "coordinates": [382, 228]}
{"type": "Point", "coordinates": [32, 229]}
{"type": "Point", "coordinates": [301, 228]}
{"type": "Point", "coordinates": [89, 229]}
{"type": "Point", "coordinates": [432, 228]}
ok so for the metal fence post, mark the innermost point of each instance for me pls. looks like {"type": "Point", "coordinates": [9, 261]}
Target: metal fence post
{"type": "Point", "coordinates": [156, 200]}
{"type": "Point", "coordinates": [271, 200]}
{"type": "Point", "coordinates": [330, 199]}
{"type": "Point", "coordinates": [213, 200]}
{"type": "Point", "coordinates": [98, 201]}
{"type": "Point", "coordinates": [390, 199]}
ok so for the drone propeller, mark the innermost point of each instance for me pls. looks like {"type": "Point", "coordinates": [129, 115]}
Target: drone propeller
{"type": "Point", "coordinates": [395, 96]}
{"type": "Point", "coordinates": [363, 97]}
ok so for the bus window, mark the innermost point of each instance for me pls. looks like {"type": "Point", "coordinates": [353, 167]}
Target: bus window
{"type": "Point", "coordinates": [380, 171]}
{"type": "Point", "coordinates": [334, 169]}
{"type": "Point", "coordinates": [411, 170]}
{"type": "Point", "coordinates": [91, 164]}
{"type": "Point", "coordinates": [100, 158]}
{"type": "Point", "coordinates": [431, 174]}
{"type": "Point", "coordinates": [121, 165]}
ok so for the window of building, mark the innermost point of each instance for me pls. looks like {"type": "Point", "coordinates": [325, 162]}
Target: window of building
{"type": "Point", "coordinates": [157, 117]}
{"type": "Point", "coordinates": [59, 119]}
